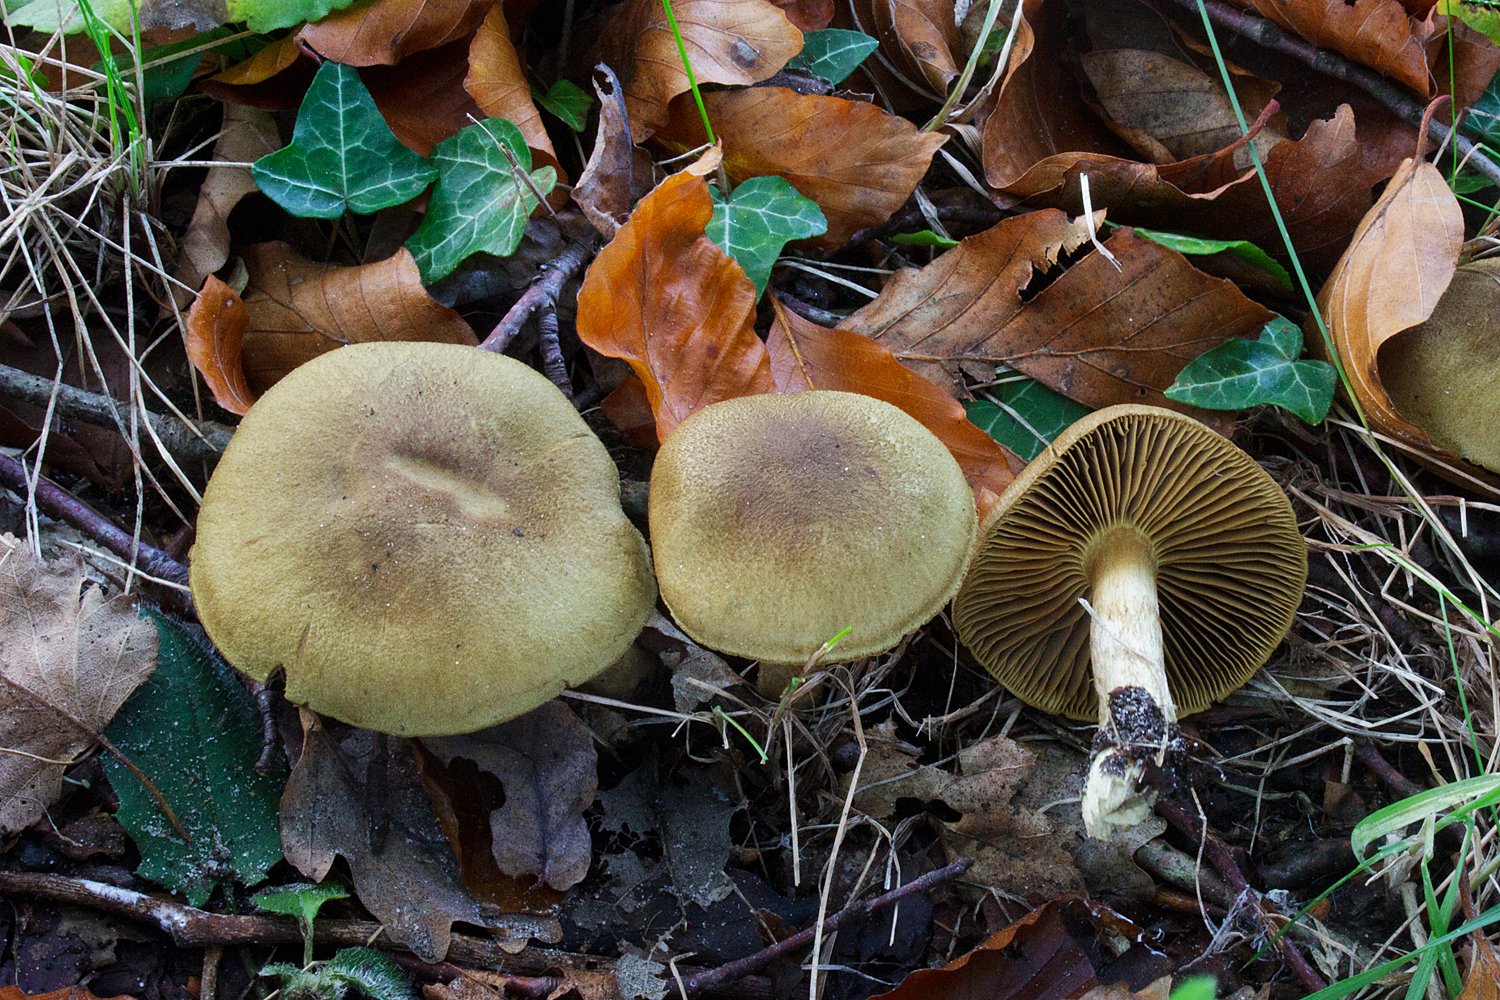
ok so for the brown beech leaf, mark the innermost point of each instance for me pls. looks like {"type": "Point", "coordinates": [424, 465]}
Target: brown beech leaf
{"type": "Point", "coordinates": [1378, 33]}
{"type": "Point", "coordinates": [1097, 334]}
{"type": "Point", "coordinates": [498, 84]}
{"type": "Point", "coordinates": [423, 99]}
{"type": "Point", "coordinates": [65, 653]}
{"type": "Point", "coordinates": [665, 298]}
{"type": "Point", "coordinates": [807, 15]}
{"type": "Point", "coordinates": [857, 162]}
{"type": "Point", "coordinates": [807, 356]}
{"type": "Point", "coordinates": [247, 135]}
{"type": "Point", "coordinates": [386, 31]}
{"type": "Point", "coordinates": [545, 763]}
{"type": "Point", "coordinates": [66, 993]}
{"type": "Point", "coordinates": [299, 309]}
{"type": "Point", "coordinates": [215, 336]}
{"type": "Point", "coordinates": [1483, 979]}
{"type": "Point", "coordinates": [926, 36]}
{"type": "Point", "coordinates": [739, 43]}
{"type": "Point", "coordinates": [618, 172]}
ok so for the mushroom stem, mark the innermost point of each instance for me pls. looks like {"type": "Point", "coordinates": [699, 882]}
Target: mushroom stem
{"type": "Point", "coordinates": [1135, 703]}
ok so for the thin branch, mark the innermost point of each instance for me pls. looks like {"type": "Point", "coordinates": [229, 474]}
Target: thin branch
{"type": "Point", "coordinates": [58, 503]}
{"type": "Point", "coordinates": [543, 292]}
{"type": "Point", "coordinates": [193, 442]}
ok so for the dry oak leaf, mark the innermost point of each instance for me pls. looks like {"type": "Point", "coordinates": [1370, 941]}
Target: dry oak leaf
{"type": "Point", "coordinates": [665, 298]}
{"type": "Point", "coordinates": [247, 135]}
{"type": "Point", "coordinates": [1099, 334]}
{"type": "Point", "coordinates": [807, 356]}
{"type": "Point", "coordinates": [67, 657]}
{"type": "Point", "coordinates": [857, 162]}
{"type": "Point", "coordinates": [299, 309]}
{"type": "Point", "coordinates": [215, 335]}
{"type": "Point", "coordinates": [386, 31]}
{"type": "Point", "coordinates": [498, 84]}
{"type": "Point", "coordinates": [728, 41]}
{"type": "Point", "coordinates": [1378, 33]}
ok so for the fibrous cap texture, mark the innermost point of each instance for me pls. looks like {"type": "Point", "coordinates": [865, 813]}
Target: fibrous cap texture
{"type": "Point", "coordinates": [777, 521]}
{"type": "Point", "coordinates": [425, 537]}
{"type": "Point", "coordinates": [1230, 562]}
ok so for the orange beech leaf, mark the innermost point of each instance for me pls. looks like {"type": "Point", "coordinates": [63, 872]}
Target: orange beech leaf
{"type": "Point", "coordinates": [665, 298]}
{"type": "Point", "coordinates": [1378, 33]}
{"type": "Point", "coordinates": [299, 309]}
{"type": "Point", "coordinates": [807, 356]}
{"type": "Point", "coordinates": [739, 43]}
{"type": "Point", "coordinates": [857, 162]}
{"type": "Point", "coordinates": [1097, 334]}
{"type": "Point", "coordinates": [386, 31]}
{"type": "Point", "coordinates": [215, 334]}
{"type": "Point", "coordinates": [498, 84]}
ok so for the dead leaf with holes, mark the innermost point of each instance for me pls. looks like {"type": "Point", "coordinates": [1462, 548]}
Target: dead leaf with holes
{"type": "Point", "coordinates": [68, 660]}
{"type": "Point", "coordinates": [618, 172]}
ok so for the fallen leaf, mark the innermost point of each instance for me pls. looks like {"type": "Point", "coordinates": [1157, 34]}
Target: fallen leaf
{"type": "Point", "coordinates": [1378, 33]}
{"type": "Point", "coordinates": [65, 654]}
{"type": "Point", "coordinates": [805, 356]}
{"type": "Point", "coordinates": [618, 172]}
{"type": "Point", "coordinates": [299, 309]}
{"type": "Point", "coordinates": [498, 84]}
{"type": "Point", "coordinates": [386, 31]}
{"type": "Point", "coordinates": [546, 764]}
{"type": "Point", "coordinates": [691, 815]}
{"type": "Point", "coordinates": [214, 335]}
{"type": "Point", "coordinates": [247, 135]}
{"type": "Point", "coordinates": [260, 67]}
{"type": "Point", "coordinates": [926, 36]}
{"type": "Point", "coordinates": [807, 15]}
{"type": "Point", "coordinates": [737, 43]}
{"type": "Point", "coordinates": [857, 162]}
{"type": "Point", "coordinates": [423, 98]}
{"type": "Point", "coordinates": [274, 79]}
{"type": "Point", "coordinates": [1483, 981]}
{"type": "Point", "coordinates": [66, 993]}
{"type": "Point", "coordinates": [665, 298]}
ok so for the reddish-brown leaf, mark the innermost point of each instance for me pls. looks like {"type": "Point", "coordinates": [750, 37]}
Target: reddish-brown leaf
{"type": "Point", "coordinates": [857, 162]}
{"type": "Point", "coordinates": [66, 993]}
{"type": "Point", "coordinates": [299, 309]}
{"type": "Point", "coordinates": [1378, 33]}
{"type": "Point", "coordinates": [214, 335]}
{"type": "Point", "coordinates": [927, 38]}
{"type": "Point", "coordinates": [498, 84]}
{"type": "Point", "coordinates": [386, 31]}
{"type": "Point", "coordinates": [807, 356]}
{"type": "Point", "coordinates": [1483, 980]}
{"type": "Point", "coordinates": [739, 43]}
{"type": "Point", "coordinates": [807, 15]}
{"type": "Point", "coordinates": [662, 296]}
{"type": "Point", "coordinates": [423, 100]}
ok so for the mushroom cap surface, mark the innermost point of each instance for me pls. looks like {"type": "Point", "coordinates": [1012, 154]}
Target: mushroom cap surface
{"type": "Point", "coordinates": [1230, 561]}
{"type": "Point", "coordinates": [426, 537]}
{"type": "Point", "coordinates": [778, 521]}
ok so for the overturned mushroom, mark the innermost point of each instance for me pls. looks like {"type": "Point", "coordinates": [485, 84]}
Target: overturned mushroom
{"type": "Point", "coordinates": [426, 538]}
{"type": "Point", "coordinates": [1140, 568]}
{"type": "Point", "coordinates": [778, 521]}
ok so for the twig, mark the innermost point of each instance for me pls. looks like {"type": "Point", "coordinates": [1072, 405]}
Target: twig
{"type": "Point", "coordinates": [194, 442]}
{"type": "Point", "coordinates": [553, 365]}
{"type": "Point", "coordinates": [1179, 816]}
{"type": "Point", "coordinates": [190, 927]}
{"type": "Point", "coordinates": [1267, 34]}
{"type": "Point", "coordinates": [59, 503]}
{"type": "Point", "coordinates": [1370, 756]}
{"type": "Point", "coordinates": [731, 971]}
{"type": "Point", "coordinates": [542, 294]}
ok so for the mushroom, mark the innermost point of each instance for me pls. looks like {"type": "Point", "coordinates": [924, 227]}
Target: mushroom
{"type": "Point", "coordinates": [1140, 568]}
{"type": "Point", "coordinates": [425, 537]}
{"type": "Point", "coordinates": [778, 521]}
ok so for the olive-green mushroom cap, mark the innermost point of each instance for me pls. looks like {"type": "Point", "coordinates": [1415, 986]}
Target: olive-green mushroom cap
{"type": "Point", "coordinates": [1230, 561]}
{"type": "Point", "coordinates": [425, 537]}
{"type": "Point", "coordinates": [778, 521]}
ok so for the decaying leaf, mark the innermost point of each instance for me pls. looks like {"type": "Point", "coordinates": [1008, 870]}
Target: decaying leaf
{"type": "Point", "coordinates": [618, 172]}
{"type": "Point", "coordinates": [66, 654]}
{"type": "Point", "coordinates": [662, 296]}
{"type": "Point", "coordinates": [738, 43]}
{"type": "Point", "coordinates": [1483, 982]}
{"type": "Point", "coordinates": [546, 764]}
{"type": "Point", "coordinates": [299, 309]}
{"type": "Point", "coordinates": [214, 335]}
{"type": "Point", "coordinates": [691, 814]}
{"type": "Point", "coordinates": [498, 84]}
{"type": "Point", "coordinates": [807, 356]}
{"type": "Point", "coordinates": [386, 31]}
{"type": "Point", "coordinates": [1379, 33]}
{"type": "Point", "coordinates": [857, 162]}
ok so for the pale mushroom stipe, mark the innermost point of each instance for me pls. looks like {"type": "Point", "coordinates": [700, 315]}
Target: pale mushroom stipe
{"type": "Point", "coordinates": [426, 538]}
{"type": "Point", "coordinates": [778, 521]}
{"type": "Point", "coordinates": [1141, 568]}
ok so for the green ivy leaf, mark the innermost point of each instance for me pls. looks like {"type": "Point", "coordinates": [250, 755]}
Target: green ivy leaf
{"type": "Point", "coordinates": [1240, 373]}
{"type": "Point", "coordinates": [1192, 245]}
{"type": "Point", "coordinates": [833, 53]}
{"type": "Point", "coordinates": [925, 238]}
{"type": "Point", "coordinates": [260, 15]}
{"type": "Point", "coordinates": [479, 203]}
{"type": "Point", "coordinates": [758, 220]}
{"type": "Point", "coordinates": [568, 101]}
{"type": "Point", "coordinates": [1023, 414]}
{"type": "Point", "coordinates": [193, 730]}
{"type": "Point", "coordinates": [342, 155]}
